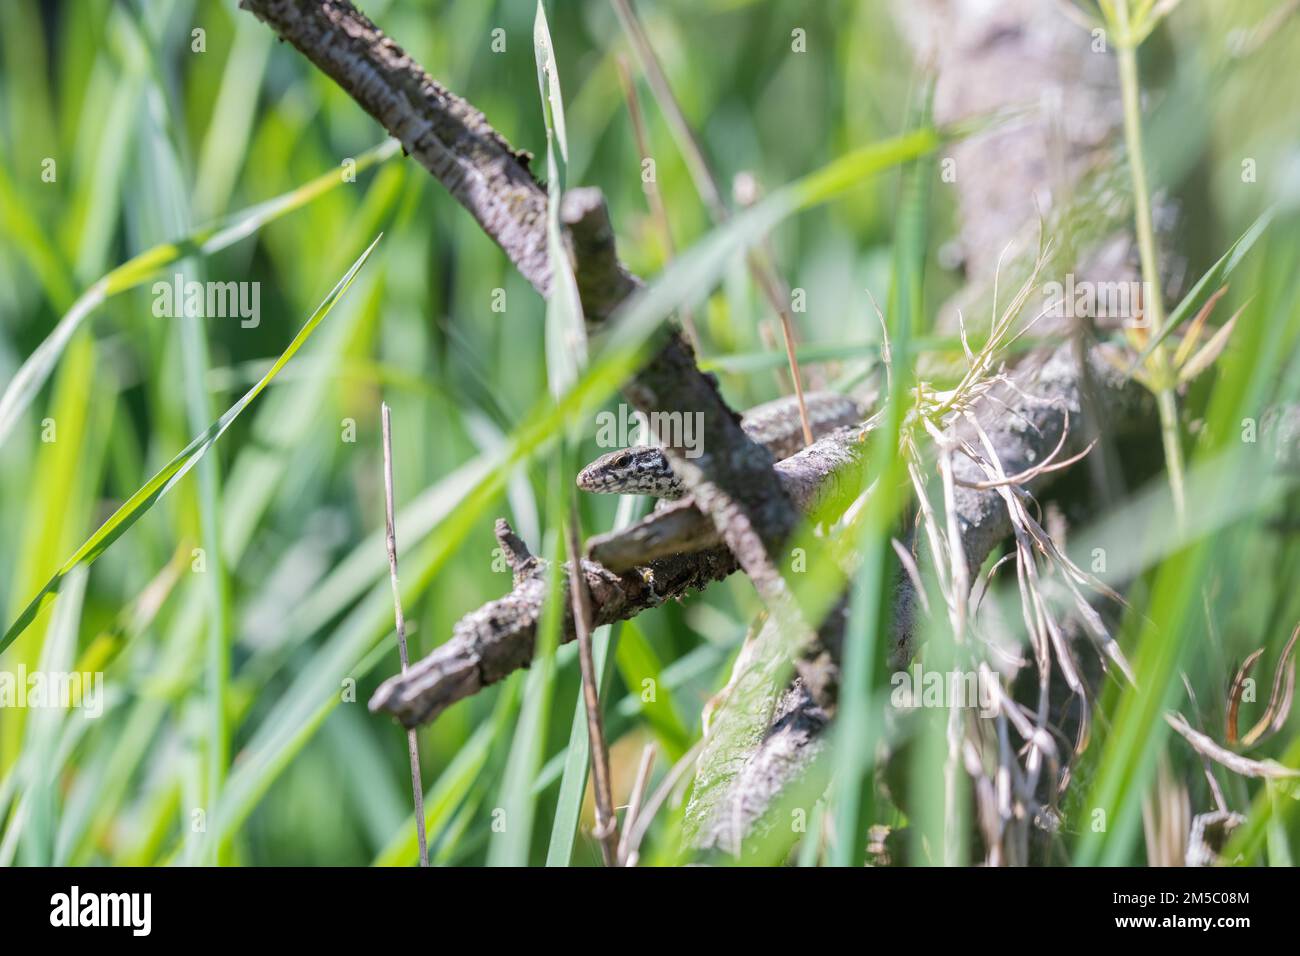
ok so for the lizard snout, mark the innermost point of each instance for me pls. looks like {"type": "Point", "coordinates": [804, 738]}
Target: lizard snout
{"type": "Point", "coordinates": [599, 476]}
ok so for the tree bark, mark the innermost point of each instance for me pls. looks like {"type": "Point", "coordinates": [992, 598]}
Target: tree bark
{"type": "Point", "coordinates": [733, 481]}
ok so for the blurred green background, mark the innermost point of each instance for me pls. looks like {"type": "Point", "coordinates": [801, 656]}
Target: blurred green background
{"type": "Point", "coordinates": [265, 566]}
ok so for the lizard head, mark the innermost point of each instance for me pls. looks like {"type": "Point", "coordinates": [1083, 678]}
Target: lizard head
{"type": "Point", "coordinates": [642, 470]}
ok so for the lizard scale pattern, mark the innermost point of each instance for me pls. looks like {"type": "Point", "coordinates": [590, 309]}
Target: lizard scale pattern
{"type": "Point", "coordinates": [644, 469]}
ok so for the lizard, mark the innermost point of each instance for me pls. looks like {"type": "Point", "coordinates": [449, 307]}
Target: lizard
{"type": "Point", "coordinates": [644, 469]}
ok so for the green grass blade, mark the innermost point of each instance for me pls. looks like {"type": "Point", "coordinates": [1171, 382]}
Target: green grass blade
{"type": "Point", "coordinates": [642, 671]}
{"type": "Point", "coordinates": [577, 757]}
{"type": "Point", "coordinates": [566, 355]}
{"type": "Point", "coordinates": [42, 793]}
{"type": "Point", "coordinates": [1208, 284]}
{"type": "Point", "coordinates": [441, 800]}
{"type": "Point", "coordinates": [911, 240]}
{"type": "Point", "coordinates": [22, 389]}
{"type": "Point", "coordinates": [162, 482]}
{"type": "Point", "coordinates": [225, 144]}
{"type": "Point", "coordinates": [548, 81]}
{"type": "Point", "coordinates": [517, 802]}
{"type": "Point", "coordinates": [566, 338]}
{"type": "Point", "coordinates": [22, 227]}
{"type": "Point", "coordinates": [857, 723]}
{"type": "Point", "coordinates": [167, 212]}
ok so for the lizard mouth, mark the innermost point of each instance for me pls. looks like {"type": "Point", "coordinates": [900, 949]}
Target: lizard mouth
{"type": "Point", "coordinates": [596, 477]}
{"type": "Point", "coordinates": [586, 479]}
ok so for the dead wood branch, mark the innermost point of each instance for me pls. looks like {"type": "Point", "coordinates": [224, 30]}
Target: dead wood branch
{"type": "Point", "coordinates": [988, 57]}
{"type": "Point", "coordinates": [735, 789]}
{"type": "Point", "coordinates": [826, 471]}
{"type": "Point", "coordinates": [733, 481]}
{"type": "Point", "coordinates": [445, 134]}
{"type": "Point", "coordinates": [493, 642]}
{"type": "Point", "coordinates": [488, 644]}
{"type": "Point", "coordinates": [738, 498]}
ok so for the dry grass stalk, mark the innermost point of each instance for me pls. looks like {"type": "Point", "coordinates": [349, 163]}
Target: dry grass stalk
{"type": "Point", "coordinates": [606, 823]}
{"type": "Point", "coordinates": [412, 741]}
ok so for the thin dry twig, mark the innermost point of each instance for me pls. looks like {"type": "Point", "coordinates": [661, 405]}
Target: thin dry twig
{"type": "Point", "coordinates": [606, 823]}
{"type": "Point", "coordinates": [650, 185]}
{"type": "Point", "coordinates": [706, 184]}
{"type": "Point", "coordinates": [637, 798]}
{"type": "Point", "coordinates": [1247, 41]}
{"type": "Point", "coordinates": [646, 815]}
{"type": "Point", "coordinates": [1245, 766]}
{"type": "Point", "coordinates": [412, 741]}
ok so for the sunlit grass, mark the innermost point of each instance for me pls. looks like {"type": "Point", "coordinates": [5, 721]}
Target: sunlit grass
{"type": "Point", "coordinates": [234, 724]}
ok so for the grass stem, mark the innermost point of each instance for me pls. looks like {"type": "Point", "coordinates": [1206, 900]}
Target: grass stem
{"type": "Point", "coordinates": [606, 822]}
{"type": "Point", "coordinates": [1153, 298]}
{"type": "Point", "coordinates": [390, 538]}
{"type": "Point", "coordinates": [706, 184]}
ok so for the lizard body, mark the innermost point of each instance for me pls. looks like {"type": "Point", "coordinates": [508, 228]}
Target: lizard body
{"type": "Point", "coordinates": [644, 469]}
